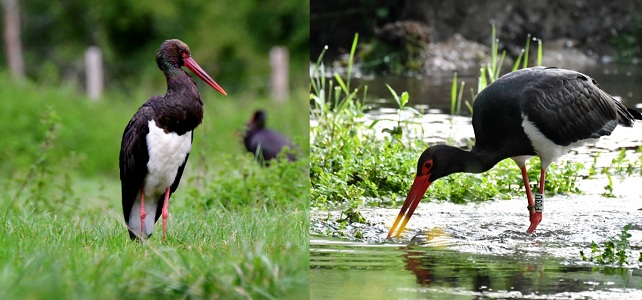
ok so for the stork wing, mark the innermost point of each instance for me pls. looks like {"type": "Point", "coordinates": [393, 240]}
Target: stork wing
{"type": "Point", "coordinates": [134, 157]}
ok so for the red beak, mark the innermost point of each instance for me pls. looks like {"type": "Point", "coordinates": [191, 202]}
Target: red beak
{"type": "Point", "coordinates": [192, 65]}
{"type": "Point", "coordinates": [417, 192]}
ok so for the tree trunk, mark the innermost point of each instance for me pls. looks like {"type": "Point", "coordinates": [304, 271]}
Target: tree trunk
{"type": "Point", "coordinates": [12, 37]}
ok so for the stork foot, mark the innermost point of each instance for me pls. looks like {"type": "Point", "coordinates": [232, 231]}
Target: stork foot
{"type": "Point", "coordinates": [536, 218]}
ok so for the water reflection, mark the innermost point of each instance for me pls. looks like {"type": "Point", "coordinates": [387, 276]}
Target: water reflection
{"type": "Point", "coordinates": [346, 270]}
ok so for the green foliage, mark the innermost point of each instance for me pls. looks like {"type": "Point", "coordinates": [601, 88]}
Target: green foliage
{"type": "Point", "coordinates": [402, 122]}
{"type": "Point", "coordinates": [503, 182]}
{"type": "Point", "coordinates": [348, 161]}
{"type": "Point", "coordinates": [612, 252]}
{"type": "Point", "coordinates": [455, 97]}
{"type": "Point", "coordinates": [350, 216]}
{"type": "Point", "coordinates": [74, 130]}
{"type": "Point", "coordinates": [627, 42]}
{"type": "Point", "coordinates": [262, 187]}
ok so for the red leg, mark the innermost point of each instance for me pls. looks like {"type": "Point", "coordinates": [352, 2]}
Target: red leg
{"type": "Point", "coordinates": [165, 212]}
{"type": "Point", "coordinates": [535, 217]}
{"type": "Point", "coordinates": [542, 179]}
{"type": "Point", "coordinates": [143, 213]}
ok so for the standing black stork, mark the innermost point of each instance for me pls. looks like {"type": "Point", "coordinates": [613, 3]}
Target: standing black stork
{"type": "Point", "coordinates": [264, 143]}
{"type": "Point", "coordinates": [530, 112]}
{"type": "Point", "coordinates": [157, 141]}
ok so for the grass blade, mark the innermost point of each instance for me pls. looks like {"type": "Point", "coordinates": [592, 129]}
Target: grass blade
{"type": "Point", "coordinates": [528, 45]}
{"type": "Point", "coordinates": [351, 59]}
{"type": "Point", "coordinates": [453, 94]}
{"type": "Point", "coordinates": [539, 52]}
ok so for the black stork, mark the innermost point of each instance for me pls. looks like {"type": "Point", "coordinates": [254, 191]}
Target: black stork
{"type": "Point", "coordinates": [264, 143]}
{"type": "Point", "coordinates": [157, 141]}
{"type": "Point", "coordinates": [536, 111]}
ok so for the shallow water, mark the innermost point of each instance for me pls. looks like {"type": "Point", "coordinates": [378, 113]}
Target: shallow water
{"type": "Point", "coordinates": [473, 251]}
{"type": "Point", "coordinates": [348, 270]}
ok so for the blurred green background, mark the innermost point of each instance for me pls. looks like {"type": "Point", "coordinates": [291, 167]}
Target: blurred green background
{"type": "Point", "coordinates": [230, 39]}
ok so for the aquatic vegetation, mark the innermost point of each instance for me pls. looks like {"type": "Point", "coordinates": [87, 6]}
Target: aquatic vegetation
{"type": "Point", "coordinates": [612, 252]}
{"type": "Point", "coordinates": [491, 71]}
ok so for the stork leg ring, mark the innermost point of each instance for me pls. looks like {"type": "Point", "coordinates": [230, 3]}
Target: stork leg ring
{"type": "Point", "coordinates": [165, 212]}
{"type": "Point", "coordinates": [535, 216]}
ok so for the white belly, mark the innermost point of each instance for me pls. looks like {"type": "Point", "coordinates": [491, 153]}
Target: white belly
{"type": "Point", "coordinates": [546, 149]}
{"type": "Point", "coordinates": [167, 152]}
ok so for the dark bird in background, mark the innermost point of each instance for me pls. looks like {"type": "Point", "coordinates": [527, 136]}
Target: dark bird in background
{"type": "Point", "coordinates": [157, 141]}
{"type": "Point", "coordinates": [264, 143]}
{"type": "Point", "coordinates": [530, 112]}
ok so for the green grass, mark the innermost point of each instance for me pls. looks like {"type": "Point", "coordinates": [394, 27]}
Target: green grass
{"type": "Point", "coordinates": [236, 230]}
{"type": "Point", "coordinates": [215, 254]}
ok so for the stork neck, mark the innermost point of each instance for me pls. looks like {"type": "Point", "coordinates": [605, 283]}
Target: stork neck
{"type": "Point", "coordinates": [177, 78]}
{"type": "Point", "coordinates": [179, 81]}
{"type": "Point", "coordinates": [478, 160]}
{"type": "Point", "coordinates": [474, 161]}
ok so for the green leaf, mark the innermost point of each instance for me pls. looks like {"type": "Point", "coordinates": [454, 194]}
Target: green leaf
{"type": "Point", "coordinates": [404, 99]}
{"type": "Point", "coordinates": [453, 94]}
{"type": "Point", "coordinates": [394, 95]}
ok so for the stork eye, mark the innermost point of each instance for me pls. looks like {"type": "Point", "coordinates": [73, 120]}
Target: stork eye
{"type": "Point", "coordinates": [428, 165]}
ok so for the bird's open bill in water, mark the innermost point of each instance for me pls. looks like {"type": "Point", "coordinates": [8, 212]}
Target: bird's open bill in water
{"type": "Point", "coordinates": [157, 141]}
{"type": "Point", "coordinates": [530, 112]}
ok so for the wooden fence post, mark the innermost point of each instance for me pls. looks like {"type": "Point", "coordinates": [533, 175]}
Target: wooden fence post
{"type": "Point", "coordinates": [279, 82]}
{"type": "Point", "coordinates": [94, 72]}
{"type": "Point", "coordinates": [12, 37]}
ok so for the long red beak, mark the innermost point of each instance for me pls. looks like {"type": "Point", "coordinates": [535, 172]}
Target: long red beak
{"type": "Point", "coordinates": [417, 192]}
{"type": "Point", "coordinates": [191, 64]}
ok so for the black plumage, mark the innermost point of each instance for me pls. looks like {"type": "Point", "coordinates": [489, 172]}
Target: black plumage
{"type": "Point", "coordinates": [173, 115]}
{"type": "Point", "coordinates": [264, 143]}
{"type": "Point", "coordinates": [536, 111]}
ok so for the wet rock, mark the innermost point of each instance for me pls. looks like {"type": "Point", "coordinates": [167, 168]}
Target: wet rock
{"type": "Point", "coordinates": [563, 53]}
{"type": "Point", "coordinates": [403, 33]}
{"type": "Point", "coordinates": [455, 54]}
{"type": "Point", "coordinates": [592, 23]}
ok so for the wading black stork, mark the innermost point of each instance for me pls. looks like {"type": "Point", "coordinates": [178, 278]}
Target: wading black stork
{"type": "Point", "coordinates": [157, 141]}
{"type": "Point", "coordinates": [264, 143]}
{"type": "Point", "coordinates": [530, 112]}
